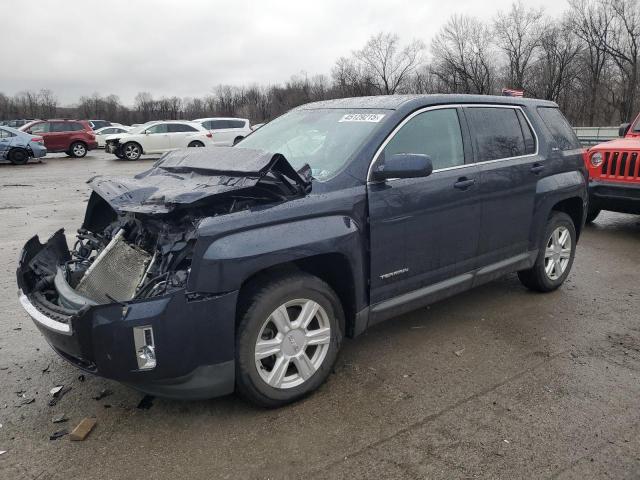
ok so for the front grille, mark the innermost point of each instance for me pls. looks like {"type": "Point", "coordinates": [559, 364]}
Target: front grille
{"type": "Point", "coordinates": [620, 165]}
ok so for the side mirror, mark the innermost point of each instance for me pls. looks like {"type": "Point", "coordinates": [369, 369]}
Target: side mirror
{"type": "Point", "coordinates": [624, 128]}
{"type": "Point", "coordinates": [404, 165]}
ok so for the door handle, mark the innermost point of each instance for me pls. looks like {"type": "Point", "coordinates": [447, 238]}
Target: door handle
{"type": "Point", "coordinates": [463, 183]}
{"type": "Point", "coordinates": [537, 168]}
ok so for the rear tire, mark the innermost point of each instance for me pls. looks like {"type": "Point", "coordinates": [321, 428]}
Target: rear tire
{"type": "Point", "coordinates": [272, 310]}
{"type": "Point", "coordinates": [555, 257]}
{"type": "Point", "coordinates": [195, 144]}
{"type": "Point", "coordinates": [77, 150]}
{"type": "Point", "coordinates": [131, 151]}
{"type": "Point", "coordinates": [18, 156]}
{"type": "Point", "coordinates": [592, 214]}
{"type": "Point", "coordinates": [237, 139]}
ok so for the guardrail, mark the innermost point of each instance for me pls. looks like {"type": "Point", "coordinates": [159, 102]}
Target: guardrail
{"type": "Point", "coordinates": [593, 135]}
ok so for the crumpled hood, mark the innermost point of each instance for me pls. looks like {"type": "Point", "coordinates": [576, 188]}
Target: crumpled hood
{"type": "Point", "coordinates": [185, 177]}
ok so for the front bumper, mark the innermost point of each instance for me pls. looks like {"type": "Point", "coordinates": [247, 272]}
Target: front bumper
{"type": "Point", "coordinates": [615, 196]}
{"type": "Point", "coordinates": [193, 336]}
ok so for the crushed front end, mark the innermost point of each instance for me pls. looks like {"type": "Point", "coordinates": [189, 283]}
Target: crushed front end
{"type": "Point", "coordinates": [118, 302]}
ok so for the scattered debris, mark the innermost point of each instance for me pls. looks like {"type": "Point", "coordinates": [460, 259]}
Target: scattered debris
{"type": "Point", "coordinates": [106, 405]}
{"type": "Point", "coordinates": [59, 418]}
{"type": "Point", "coordinates": [2, 452]}
{"type": "Point", "coordinates": [82, 430]}
{"type": "Point", "coordinates": [28, 401]}
{"type": "Point", "coordinates": [17, 329]}
{"type": "Point", "coordinates": [58, 395]}
{"type": "Point", "coordinates": [417, 328]}
{"type": "Point", "coordinates": [58, 434]}
{"type": "Point", "coordinates": [81, 378]}
{"type": "Point", "coordinates": [506, 441]}
{"type": "Point", "coordinates": [146, 403]}
{"type": "Point", "coordinates": [46, 370]}
{"type": "Point", "coordinates": [55, 390]}
{"type": "Point", "coordinates": [103, 393]}
{"type": "Point", "coordinates": [459, 353]}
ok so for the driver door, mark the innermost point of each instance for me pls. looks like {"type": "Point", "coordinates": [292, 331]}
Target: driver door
{"type": "Point", "coordinates": [157, 139]}
{"type": "Point", "coordinates": [425, 231]}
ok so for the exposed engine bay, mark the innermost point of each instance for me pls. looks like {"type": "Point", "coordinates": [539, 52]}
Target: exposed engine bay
{"type": "Point", "coordinates": [138, 236]}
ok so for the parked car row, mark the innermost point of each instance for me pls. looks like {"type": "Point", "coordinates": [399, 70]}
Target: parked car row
{"type": "Point", "coordinates": [163, 136]}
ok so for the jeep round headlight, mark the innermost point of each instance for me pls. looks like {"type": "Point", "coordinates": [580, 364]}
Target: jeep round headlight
{"type": "Point", "coordinates": [596, 159]}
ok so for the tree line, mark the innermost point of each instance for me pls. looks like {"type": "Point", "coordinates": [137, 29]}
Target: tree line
{"type": "Point", "coordinates": [586, 60]}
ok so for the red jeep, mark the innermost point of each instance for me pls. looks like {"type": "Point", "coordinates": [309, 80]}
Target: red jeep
{"type": "Point", "coordinates": [614, 173]}
{"type": "Point", "coordinates": [74, 137]}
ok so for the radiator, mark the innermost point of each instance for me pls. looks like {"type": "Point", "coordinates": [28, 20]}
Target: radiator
{"type": "Point", "coordinates": [116, 272]}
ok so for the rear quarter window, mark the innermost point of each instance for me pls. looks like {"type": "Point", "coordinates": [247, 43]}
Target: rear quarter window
{"type": "Point", "coordinates": [497, 133]}
{"type": "Point", "coordinates": [560, 128]}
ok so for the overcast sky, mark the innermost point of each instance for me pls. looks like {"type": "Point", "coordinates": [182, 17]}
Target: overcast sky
{"type": "Point", "coordinates": [186, 47]}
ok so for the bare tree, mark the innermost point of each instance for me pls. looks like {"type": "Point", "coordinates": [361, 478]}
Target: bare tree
{"type": "Point", "coordinates": [462, 56]}
{"type": "Point", "coordinates": [387, 63]}
{"type": "Point", "coordinates": [518, 34]}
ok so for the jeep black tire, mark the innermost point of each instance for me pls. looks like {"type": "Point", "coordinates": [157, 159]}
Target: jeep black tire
{"type": "Point", "coordinates": [555, 257]}
{"type": "Point", "coordinates": [279, 359]}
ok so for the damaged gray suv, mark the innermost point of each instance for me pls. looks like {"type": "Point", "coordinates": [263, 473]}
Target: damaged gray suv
{"type": "Point", "coordinates": [242, 268]}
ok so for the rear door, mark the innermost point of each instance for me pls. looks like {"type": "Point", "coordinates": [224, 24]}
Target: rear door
{"type": "Point", "coordinates": [425, 230]}
{"type": "Point", "coordinates": [180, 134]}
{"type": "Point", "coordinates": [60, 135]}
{"type": "Point", "coordinates": [506, 151]}
{"type": "Point", "coordinates": [220, 130]}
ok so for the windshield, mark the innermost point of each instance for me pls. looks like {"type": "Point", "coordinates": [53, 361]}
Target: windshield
{"type": "Point", "coordinates": [324, 138]}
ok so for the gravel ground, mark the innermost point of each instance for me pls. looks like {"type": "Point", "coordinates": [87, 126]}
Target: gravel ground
{"type": "Point", "coordinates": [541, 386]}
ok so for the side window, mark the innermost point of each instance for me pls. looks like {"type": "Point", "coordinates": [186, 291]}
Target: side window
{"type": "Point", "coordinates": [43, 127]}
{"type": "Point", "coordinates": [180, 127]}
{"type": "Point", "coordinates": [559, 127]}
{"type": "Point", "coordinates": [236, 124]}
{"type": "Point", "coordinates": [216, 125]}
{"type": "Point", "coordinates": [497, 132]}
{"type": "Point", "coordinates": [159, 128]}
{"type": "Point", "coordinates": [435, 133]}
{"type": "Point", "coordinates": [58, 127]}
{"type": "Point", "coordinates": [529, 139]}
{"type": "Point", "coordinates": [108, 131]}
{"type": "Point", "coordinates": [6, 134]}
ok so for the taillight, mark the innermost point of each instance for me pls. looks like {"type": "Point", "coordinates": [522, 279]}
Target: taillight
{"type": "Point", "coordinates": [209, 135]}
{"type": "Point", "coordinates": [37, 140]}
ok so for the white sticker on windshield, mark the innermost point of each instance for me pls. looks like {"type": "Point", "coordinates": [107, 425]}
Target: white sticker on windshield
{"type": "Point", "coordinates": [362, 117]}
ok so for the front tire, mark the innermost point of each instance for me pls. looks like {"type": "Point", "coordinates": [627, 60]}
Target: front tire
{"type": "Point", "coordinates": [131, 151]}
{"type": "Point", "coordinates": [18, 156]}
{"type": "Point", "coordinates": [288, 338]}
{"type": "Point", "coordinates": [78, 150]}
{"type": "Point", "coordinates": [555, 258]}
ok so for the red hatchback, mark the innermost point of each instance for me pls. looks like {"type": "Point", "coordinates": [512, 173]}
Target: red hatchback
{"type": "Point", "coordinates": [74, 137]}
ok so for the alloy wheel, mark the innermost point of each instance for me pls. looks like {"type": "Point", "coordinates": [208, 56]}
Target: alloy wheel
{"type": "Point", "coordinates": [79, 150]}
{"type": "Point", "coordinates": [132, 152]}
{"type": "Point", "coordinates": [293, 343]}
{"type": "Point", "coordinates": [558, 253]}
